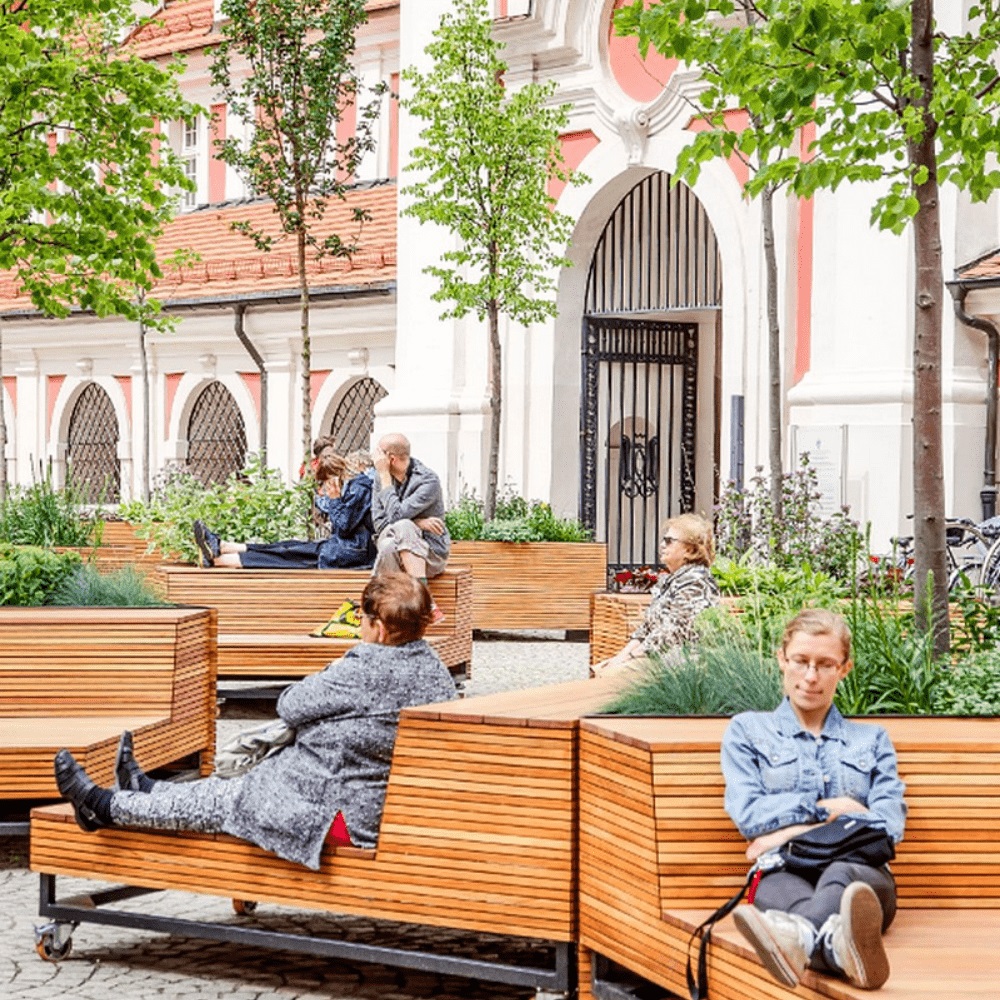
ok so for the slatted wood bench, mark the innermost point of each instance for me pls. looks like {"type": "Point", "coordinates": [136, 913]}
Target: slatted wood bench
{"type": "Point", "coordinates": [658, 854]}
{"type": "Point", "coordinates": [76, 677]}
{"type": "Point", "coordinates": [614, 617]}
{"type": "Point", "coordinates": [266, 615]}
{"type": "Point", "coordinates": [478, 834]}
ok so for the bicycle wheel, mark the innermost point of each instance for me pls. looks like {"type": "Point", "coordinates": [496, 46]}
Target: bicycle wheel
{"type": "Point", "coordinates": [990, 575]}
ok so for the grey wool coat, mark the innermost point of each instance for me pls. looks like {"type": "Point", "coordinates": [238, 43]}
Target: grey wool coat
{"type": "Point", "coordinates": [345, 720]}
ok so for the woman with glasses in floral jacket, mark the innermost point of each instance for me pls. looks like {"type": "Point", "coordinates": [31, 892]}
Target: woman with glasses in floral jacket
{"type": "Point", "coordinates": [684, 590]}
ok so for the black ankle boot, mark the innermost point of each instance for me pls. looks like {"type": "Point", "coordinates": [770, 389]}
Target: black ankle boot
{"type": "Point", "coordinates": [129, 776]}
{"type": "Point", "coordinates": [91, 803]}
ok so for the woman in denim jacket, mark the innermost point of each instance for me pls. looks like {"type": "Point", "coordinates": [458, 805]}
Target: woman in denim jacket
{"type": "Point", "coordinates": [795, 768]}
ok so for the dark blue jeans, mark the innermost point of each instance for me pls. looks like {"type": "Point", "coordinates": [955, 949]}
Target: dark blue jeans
{"type": "Point", "coordinates": [281, 555]}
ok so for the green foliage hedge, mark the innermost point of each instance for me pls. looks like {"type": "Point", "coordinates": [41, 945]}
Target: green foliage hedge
{"type": "Point", "coordinates": [516, 520]}
{"type": "Point", "coordinates": [30, 576]}
{"type": "Point", "coordinates": [42, 515]}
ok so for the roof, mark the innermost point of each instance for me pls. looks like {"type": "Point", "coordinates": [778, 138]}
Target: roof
{"type": "Point", "coordinates": [230, 264]}
{"type": "Point", "coordinates": [987, 266]}
{"type": "Point", "coordinates": [183, 25]}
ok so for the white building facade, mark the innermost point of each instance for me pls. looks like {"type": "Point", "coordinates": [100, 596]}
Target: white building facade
{"type": "Point", "coordinates": [644, 396]}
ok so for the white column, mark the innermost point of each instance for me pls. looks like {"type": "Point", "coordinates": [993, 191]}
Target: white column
{"type": "Point", "coordinates": [426, 403]}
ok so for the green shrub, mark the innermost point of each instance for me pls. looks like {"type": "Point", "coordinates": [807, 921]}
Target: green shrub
{"type": "Point", "coordinates": [124, 588]}
{"type": "Point", "coordinates": [255, 505]}
{"type": "Point", "coordinates": [42, 515]}
{"type": "Point", "coordinates": [516, 520]}
{"type": "Point", "coordinates": [746, 526]}
{"type": "Point", "coordinates": [30, 576]}
{"type": "Point", "coordinates": [972, 687]}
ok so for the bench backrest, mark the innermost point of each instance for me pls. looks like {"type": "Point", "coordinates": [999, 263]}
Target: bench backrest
{"type": "Point", "coordinates": [949, 857]}
{"type": "Point", "coordinates": [99, 661]}
{"type": "Point", "coordinates": [273, 601]}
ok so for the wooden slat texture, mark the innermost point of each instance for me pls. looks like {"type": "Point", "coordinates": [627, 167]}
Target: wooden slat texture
{"type": "Point", "coordinates": [76, 677]}
{"type": "Point", "coordinates": [656, 844]}
{"type": "Point", "coordinates": [517, 585]}
{"type": "Point", "coordinates": [265, 615]}
{"type": "Point", "coordinates": [486, 843]}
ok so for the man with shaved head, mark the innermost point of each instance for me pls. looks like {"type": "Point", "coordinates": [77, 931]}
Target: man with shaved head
{"type": "Point", "coordinates": [408, 514]}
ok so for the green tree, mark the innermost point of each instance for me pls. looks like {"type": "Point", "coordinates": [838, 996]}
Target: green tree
{"type": "Point", "coordinates": [487, 153]}
{"type": "Point", "coordinates": [83, 194]}
{"type": "Point", "coordinates": [300, 84]}
{"type": "Point", "coordinates": [894, 98]}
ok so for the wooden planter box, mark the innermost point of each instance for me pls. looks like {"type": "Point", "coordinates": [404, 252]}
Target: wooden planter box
{"type": "Point", "coordinates": [76, 677]}
{"type": "Point", "coordinates": [532, 585]}
{"type": "Point", "coordinates": [658, 853]}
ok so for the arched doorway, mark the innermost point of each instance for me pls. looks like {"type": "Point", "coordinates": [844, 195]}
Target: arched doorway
{"type": "Point", "coordinates": [92, 463]}
{"type": "Point", "coordinates": [217, 437]}
{"type": "Point", "coordinates": [655, 265]}
{"type": "Point", "coordinates": [354, 419]}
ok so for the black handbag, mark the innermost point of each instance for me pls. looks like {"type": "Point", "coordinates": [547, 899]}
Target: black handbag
{"type": "Point", "coordinates": [847, 838]}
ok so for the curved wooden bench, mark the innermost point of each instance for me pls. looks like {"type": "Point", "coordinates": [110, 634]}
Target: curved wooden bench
{"type": "Point", "coordinates": [266, 615]}
{"type": "Point", "coordinates": [658, 853]}
{"type": "Point", "coordinates": [76, 677]}
{"type": "Point", "coordinates": [478, 834]}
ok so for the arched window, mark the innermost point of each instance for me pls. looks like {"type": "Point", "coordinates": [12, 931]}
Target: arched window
{"type": "Point", "coordinates": [354, 420]}
{"type": "Point", "coordinates": [217, 439]}
{"type": "Point", "coordinates": [92, 447]}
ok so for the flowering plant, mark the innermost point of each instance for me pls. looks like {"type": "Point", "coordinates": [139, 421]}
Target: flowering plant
{"type": "Point", "coordinates": [639, 581]}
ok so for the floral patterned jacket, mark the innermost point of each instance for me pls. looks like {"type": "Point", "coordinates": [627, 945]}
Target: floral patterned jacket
{"type": "Point", "coordinates": [678, 598]}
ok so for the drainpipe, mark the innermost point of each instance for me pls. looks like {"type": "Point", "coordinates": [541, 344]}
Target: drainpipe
{"type": "Point", "coordinates": [239, 313]}
{"type": "Point", "coordinates": [988, 494]}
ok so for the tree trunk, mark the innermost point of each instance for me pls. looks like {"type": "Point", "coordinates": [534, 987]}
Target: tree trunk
{"type": "Point", "coordinates": [774, 400]}
{"type": "Point", "coordinates": [928, 466]}
{"type": "Point", "coordinates": [146, 435]}
{"type": "Point", "coordinates": [496, 406]}
{"type": "Point", "coordinates": [306, 348]}
{"type": "Point", "coordinates": [3, 429]}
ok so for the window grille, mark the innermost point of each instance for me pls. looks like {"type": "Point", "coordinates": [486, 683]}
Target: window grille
{"type": "Point", "coordinates": [92, 463]}
{"type": "Point", "coordinates": [217, 439]}
{"type": "Point", "coordinates": [354, 420]}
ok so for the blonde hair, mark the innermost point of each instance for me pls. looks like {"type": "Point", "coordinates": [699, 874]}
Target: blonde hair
{"type": "Point", "coordinates": [819, 621]}
{"type": "Point", "coordinates": [695, 532]}
{"type": "Point", "coordinates": [357, 461]}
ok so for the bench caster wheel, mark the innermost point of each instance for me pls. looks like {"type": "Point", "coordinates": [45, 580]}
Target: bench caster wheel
{"type": "Point", "coordinates": [53, 942]}
{"type": "Point", "coordinates": [244, 907]}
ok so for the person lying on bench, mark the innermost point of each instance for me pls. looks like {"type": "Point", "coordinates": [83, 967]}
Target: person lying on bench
{"type": "Point", "coordinates": [795, 768]}
{"type": "Point", "coordinates": [343, 494]}
{"type": "Point", "coordinates": [334, 772]}
{"type": "Point", "coordinates": [684, 590]}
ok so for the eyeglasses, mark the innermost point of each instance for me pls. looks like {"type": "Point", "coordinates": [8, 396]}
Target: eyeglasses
{"type": "Point", "coordinates": [667, 539]}
{"type": "Point", "coordinates": [823, 668]}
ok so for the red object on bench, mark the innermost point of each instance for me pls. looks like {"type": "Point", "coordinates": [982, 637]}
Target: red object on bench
{"type": "Point", "coordinates": [338, 835]}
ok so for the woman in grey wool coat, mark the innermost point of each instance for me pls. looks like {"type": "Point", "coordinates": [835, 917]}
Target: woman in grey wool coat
{"type": "Point", "coordinates": [345, 720]}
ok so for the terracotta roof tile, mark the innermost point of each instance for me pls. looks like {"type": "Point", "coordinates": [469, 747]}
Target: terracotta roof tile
{"type": "Point", "coordinates": [179, 26]}
{"type": "Point", "coordinates": [183, 25]}
{"type": "Point", "coordinates": [231, 265]}
{"type": "Point", "coordinates": [986, 267]}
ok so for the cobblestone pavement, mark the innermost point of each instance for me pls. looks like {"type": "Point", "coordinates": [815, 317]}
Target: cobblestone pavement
{"type": "Point", "coordinates": [136, 965]}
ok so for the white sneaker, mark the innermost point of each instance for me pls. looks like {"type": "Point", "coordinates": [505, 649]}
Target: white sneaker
{"type": "Point", "coordinates": [855, 936]}
{"type": "Point", "coordinates": [784, 942]}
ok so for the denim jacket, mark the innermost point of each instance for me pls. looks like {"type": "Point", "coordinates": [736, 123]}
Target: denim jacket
{"type": "Point", "coordinates": [776, 771]}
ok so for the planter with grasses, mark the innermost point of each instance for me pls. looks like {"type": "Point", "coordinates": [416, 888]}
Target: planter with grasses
{"type": "Point", "coordinates": [530, 569]}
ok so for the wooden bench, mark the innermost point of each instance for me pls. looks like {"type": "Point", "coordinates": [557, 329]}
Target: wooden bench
{"type": "Point", "coordinates": [478, 834]}
{"type": "Point", "coordinates": [266, 615]}
{"type": "Point", "coordinates": [76, 677]}
{"type": "Point", "coordinates": [658, 853]}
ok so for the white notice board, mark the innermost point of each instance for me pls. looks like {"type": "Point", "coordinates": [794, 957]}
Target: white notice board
{"type": "Point", "coordinates": [827, 448]}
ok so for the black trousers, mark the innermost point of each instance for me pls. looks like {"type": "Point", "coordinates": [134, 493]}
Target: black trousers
{"type": "Point", "coordinates": [281, 555]}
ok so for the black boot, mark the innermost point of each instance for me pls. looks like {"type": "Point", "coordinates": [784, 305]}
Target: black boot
{"type": "Point", "coordinates": [208, 542]}
{"type": "Point", "coordinates": [91, 803]}
{"type": "Point", "coordinates": [129, 776]}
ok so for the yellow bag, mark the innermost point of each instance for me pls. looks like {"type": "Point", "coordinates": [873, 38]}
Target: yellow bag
{"type": "Point", "coordinates": [345, 624]}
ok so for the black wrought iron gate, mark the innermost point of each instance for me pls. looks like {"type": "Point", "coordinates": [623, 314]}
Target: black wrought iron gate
{"type": "Point", "coordinates": [639, 423]}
